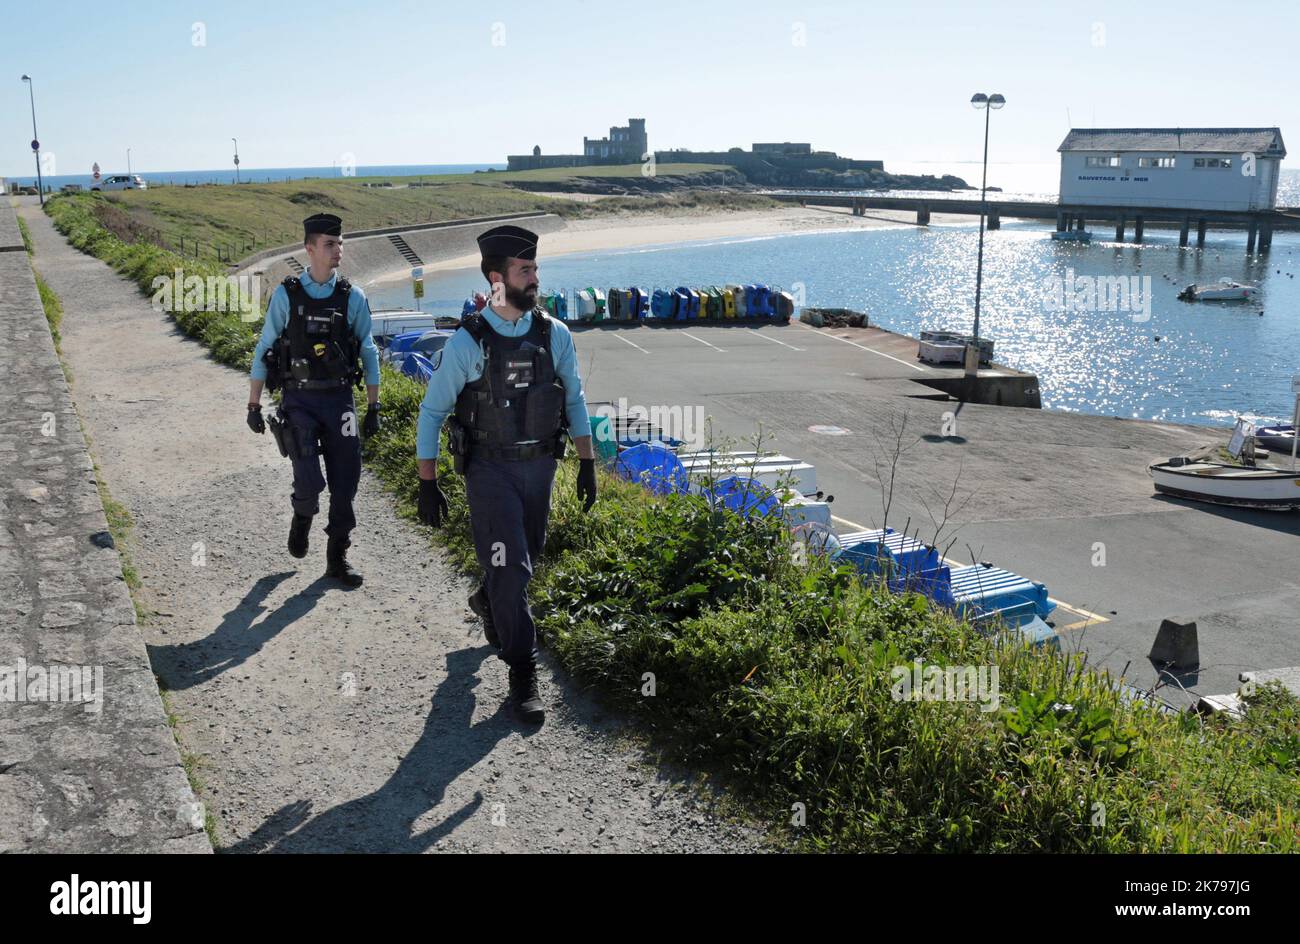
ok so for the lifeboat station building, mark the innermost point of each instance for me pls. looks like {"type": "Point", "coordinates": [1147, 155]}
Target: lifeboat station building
{"type": "Point", "coordinates": [1206, 176]}
{"type": "Point", "coordinates": [1230, 169]}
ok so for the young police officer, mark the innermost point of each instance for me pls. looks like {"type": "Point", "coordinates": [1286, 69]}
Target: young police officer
{"type": "Point", "coordinates": [317, 326]}
{"type": "Point", "coordinates": [508, 379]}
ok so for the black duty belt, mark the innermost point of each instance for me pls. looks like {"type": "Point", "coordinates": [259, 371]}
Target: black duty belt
{"type": "Point", "coordinates": [333, 384]}
{"type": "Point", "coordinates": [515, 453]}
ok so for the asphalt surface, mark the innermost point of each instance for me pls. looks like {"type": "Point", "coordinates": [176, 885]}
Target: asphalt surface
{"type": "Point", "coordinates": [1064, 499]}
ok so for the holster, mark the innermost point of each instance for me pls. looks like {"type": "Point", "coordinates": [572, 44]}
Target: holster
{"type": "Point", "coordinates": [280, 432]}
{"type": "Point", "coordinates": [457, 445]}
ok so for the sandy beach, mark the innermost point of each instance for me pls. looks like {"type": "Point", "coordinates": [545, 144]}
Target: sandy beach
{"type": "Point", "coordinates": [657, 229]}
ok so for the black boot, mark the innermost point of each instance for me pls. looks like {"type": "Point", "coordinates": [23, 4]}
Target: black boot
{"type": "Point", "coordinates": [337, 566]}
{"type": "Point", "coordinates": [298, 534]}
{"type": "Point", "coordinates": [483, 610]}
{"type": "Point", "coordinates": [524, 697]}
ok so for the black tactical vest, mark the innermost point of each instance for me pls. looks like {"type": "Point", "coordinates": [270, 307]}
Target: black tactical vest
{"type": "Point", "coordinates": [517, 399]}
{"type": "Point", "coordinates": [318, 350]}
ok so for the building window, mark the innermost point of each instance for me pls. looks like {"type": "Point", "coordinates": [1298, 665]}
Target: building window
{"type": "Point", "coordinates": [1103, 162]}
{"type": "Point", "coordinates": [1220, 162]}
{"type": "Point", "coordinates": [1165, 162]}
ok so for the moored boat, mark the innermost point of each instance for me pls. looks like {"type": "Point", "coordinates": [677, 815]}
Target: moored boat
{"type": "Point", "coordinates": [1220, 483]}
{"type": "Point", "coordinates": [1224, 290]}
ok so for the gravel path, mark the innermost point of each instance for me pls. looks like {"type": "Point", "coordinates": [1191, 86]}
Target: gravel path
{"type": "Point", "coordinates": [326, 720]}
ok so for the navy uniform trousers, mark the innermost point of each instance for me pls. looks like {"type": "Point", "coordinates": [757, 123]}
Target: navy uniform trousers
{"type": "Point", "coordinates": [509, 504]}
{"type": "Point", "coordinates": [321, 428]}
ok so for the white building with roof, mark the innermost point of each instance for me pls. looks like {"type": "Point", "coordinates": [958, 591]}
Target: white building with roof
{"type": "Point", "coordinates": [1227, 169]}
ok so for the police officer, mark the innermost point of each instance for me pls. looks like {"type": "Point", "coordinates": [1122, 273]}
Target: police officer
{"type": "Point", "coordinates": [317, 327]}
{"type": "Point", "coordinates": [508, 381]}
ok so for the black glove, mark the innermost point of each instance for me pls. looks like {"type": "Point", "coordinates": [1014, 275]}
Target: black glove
{"type": "Point", "coordinates": [255, 421]}
{"type": "Point", "coordinates": [432, 506]}
{"type": "Point", "coordinates": [587, 482]}
{"type": "Point", "coordinates": [370, 425]}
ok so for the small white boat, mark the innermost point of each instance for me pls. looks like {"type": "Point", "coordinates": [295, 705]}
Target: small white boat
{"type": "Point", "coordinates": [1073, 236]}
{"type": "Point", "coordinates": [1277, 438]}
{"type": "Point", "coordinates": [1225, 290]}
{"type": "Point", "coordinates": [1222, 484]}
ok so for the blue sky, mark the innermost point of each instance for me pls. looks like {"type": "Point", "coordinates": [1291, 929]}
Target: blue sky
{"type": "Point", "coordinates": [405, 82]}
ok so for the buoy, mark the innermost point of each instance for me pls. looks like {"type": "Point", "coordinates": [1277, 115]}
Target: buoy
{"type": "Point", "coordinates": [1156, 338]}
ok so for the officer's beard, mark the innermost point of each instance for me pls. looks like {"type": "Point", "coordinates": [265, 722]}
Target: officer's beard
{"type": "Point", "coordinates": [523, 299]}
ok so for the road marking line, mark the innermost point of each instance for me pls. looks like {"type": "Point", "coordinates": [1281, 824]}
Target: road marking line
{"type": "Point", "coordinates": [626, 341]}
{"type": "Point", "coordinates": [869, 349]}
{"type": "Point", "coordinates": [1087, 614]}
{"type": "Point", "coordinates": [702, 341]}
{"type": "Point", "coordinates": [1089, 617]}
{"type": "Point", "coordinates": [760, 334]}
{"type": "Point", "coordinates": [1078, 625]}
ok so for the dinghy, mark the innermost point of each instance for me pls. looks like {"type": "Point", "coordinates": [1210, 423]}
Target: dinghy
{"type": "Point", "coordinates": [782, 306]}
{"type": "Point", "coordinates": [662, 303]}
{"type": "Point", "coordinates": [1276, 438]}
{"type": "Point", "coordinates": [1225, 290]}
{"type": "Point", "coordinates": [1222, 484]}
{"type": "Point", "coordinates": [614, 304]}
{"type": "Point", "coordinates": [640, 303]}
{"type": "Point", "coordinates": [681, 304]}
{"type": "Point", "coordinates": [728, 301]}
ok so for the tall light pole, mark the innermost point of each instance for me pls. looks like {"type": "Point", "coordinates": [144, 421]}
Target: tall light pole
{"type": "Point", "coordinates": [236, 160]}
{"type": "Point", "coordinates": [128, 162]}
{"type": "Point", "coordinates": [988, 103]}
{"type": "Point", "coordinates": [36, 141]}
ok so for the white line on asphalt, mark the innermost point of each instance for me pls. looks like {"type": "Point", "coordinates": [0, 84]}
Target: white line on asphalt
{"type": "Point", "coordinates": [702, 341]}
{"type": "Point", "coordinates": [775, 341]}
{"type": "Point", "coordinates": [626, 341]}
{"type": "Point", "coordinates": [856, 344]}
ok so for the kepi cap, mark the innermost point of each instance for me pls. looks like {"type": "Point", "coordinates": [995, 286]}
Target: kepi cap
{"type": "Point", "coordinates": [511, 241]}
{"type": "Point", "coordinates": [326, 223]}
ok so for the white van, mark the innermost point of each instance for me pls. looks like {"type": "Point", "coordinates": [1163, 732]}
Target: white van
{"type": "Point", "coordinates": [388, 323]}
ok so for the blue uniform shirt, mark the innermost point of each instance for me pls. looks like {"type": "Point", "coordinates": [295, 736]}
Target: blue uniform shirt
{"type": "Point", "coordinates": [277, 317]}
{"type": "Point", "coordinates": [461, 362]}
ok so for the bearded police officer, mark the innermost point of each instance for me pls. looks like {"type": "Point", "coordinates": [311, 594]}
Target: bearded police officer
{"type": "Point", "coordinates": [508, 383]}
{"type": "Point", "coordinates": [314, 342]}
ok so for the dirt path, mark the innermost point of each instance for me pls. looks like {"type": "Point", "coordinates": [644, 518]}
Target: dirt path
{"type": "Point", "coordinates": [329, 721]}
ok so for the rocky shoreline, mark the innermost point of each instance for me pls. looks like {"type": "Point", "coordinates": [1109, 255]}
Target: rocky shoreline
{"type": "Point", "coordinates": [735, 180]}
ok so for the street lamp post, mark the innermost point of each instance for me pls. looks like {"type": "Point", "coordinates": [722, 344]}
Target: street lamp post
{"type": "Point", "coordinates": [988, 103]}
{"type": "Point", "coordinates": [128, 162]}
{"type": "Point", "coordinates": [36, 141]}
{"type": "Point", "coordinates": [236, 159]}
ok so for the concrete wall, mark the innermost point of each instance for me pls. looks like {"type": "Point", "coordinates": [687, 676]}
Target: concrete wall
{"type": "Point", "coordinates": [368, 257]}
{"type": "Point", "coordinates": [71, 779]}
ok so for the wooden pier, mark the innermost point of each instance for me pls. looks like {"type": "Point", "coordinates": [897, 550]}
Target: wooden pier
{"type": "Point", "coordinates": [1259, 225]}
